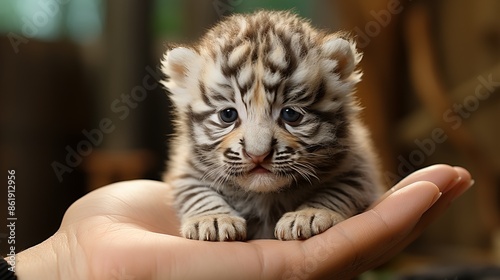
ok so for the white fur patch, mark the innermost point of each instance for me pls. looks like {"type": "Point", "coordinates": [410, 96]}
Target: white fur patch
{"type": "Point", "coordinates": [245, 74]}
{"type": "Point", "coordinates": [277, 55]}
{"type": "Point", "coordinates": [182, 66]}
{"type": "Point", "coordinates": [344, 52]}
{"type": "Point", "coordinates": [237, 54]}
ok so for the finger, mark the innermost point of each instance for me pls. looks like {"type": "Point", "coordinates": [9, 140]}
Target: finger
{"type": "Point", "coordinates": [443, 176]}
{"type": "Point", "coordinates": [437, 209]}
{"type": "Point", "coordinates": [348, 248]}
{"type": "Point", "coordinates": [430, 215]}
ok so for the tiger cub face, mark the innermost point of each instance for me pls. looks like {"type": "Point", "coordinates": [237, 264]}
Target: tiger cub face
{"type": "Point", "coordinates": [264, 102]}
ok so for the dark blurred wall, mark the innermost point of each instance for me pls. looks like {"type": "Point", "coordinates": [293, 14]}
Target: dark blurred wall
{"type": "Point", "coordinates": [44, 104]}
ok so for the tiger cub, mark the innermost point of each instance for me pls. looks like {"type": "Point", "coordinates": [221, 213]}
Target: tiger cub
{"type": "Point", "coordinates": [268, 142]}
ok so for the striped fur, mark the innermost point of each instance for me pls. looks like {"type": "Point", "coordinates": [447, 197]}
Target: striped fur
{"type": "Point", "coordinates": [295, 160]}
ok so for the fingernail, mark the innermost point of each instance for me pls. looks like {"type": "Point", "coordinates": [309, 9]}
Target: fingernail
{"type": "Point", "coordinates": [436, 198]}
{"type": "Point", "coordinates": [452, 184]}
{"type": "Point", "coordinates": [462, 191]}
{"type": "Point", "coordinates": [472, 182]}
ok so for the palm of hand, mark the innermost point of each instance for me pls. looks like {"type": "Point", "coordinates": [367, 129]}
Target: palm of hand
{"type": "Point", "coordinates": [129, 230]}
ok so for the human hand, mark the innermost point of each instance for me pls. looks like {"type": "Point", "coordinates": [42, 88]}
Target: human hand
{"type": "Point", "coordinates": [129, 230]}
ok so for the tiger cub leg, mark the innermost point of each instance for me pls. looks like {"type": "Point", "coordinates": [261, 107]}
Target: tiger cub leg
{"type": "Point", "coordinates": [326, 208]}
{"type": "Point", "coordinates": [305, 223]}
{"type": "Point", "coordinates": [205, 215]}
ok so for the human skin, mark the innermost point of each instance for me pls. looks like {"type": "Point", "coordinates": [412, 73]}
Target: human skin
{"type": "Point", "coordinates": [129, 230]}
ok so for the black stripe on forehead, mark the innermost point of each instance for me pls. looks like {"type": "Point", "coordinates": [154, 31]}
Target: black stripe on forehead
{"type": "Point", "coordinates": [245, 87]}
{"type": "Point", "coordinates": [304, 93]}
{"type": "Point", "coordinates": [250, 57]}
{"type": "Point", "coordinates": [294, 93]}
{"type": "Point", "coordinates": [284, 41]}
{"type": "Point", "coordinates": [320, 92]}
{"type": "Point", "coordinates": [260, 39]}
{"type": "Point", "coordinates": [228, 71]}
{"type": "Point", "coordinates": [272, 88]}
{"type": "Point", "coordinates": [229, 49]}
{"type": "Point", "coordinates": [254, 55]}
{"type": "Point", "coordinates": [290, 59]}
{"type": "Point", "coordinates": [220, 95]}
{"type": "Point", "coordinates": [291, 66]}
{"type": "Point", "coordinates": [211, 95]}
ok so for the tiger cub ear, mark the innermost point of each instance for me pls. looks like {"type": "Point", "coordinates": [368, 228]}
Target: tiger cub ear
{"type": "Point", "coordinates": [344, 53]}
{"type": "Point", "coordinates": [178, 64]}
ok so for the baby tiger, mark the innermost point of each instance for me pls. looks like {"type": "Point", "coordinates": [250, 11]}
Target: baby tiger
{"type": "Point", "coordinates": [268, 142]}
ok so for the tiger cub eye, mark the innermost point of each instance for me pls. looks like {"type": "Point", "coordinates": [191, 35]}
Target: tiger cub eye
{"type": "Point", "coordinates": [291, 116]}
{"type": "Point", "coordinates": [228, 115]}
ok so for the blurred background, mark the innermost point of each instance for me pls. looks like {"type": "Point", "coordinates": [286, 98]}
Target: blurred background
{"type": "Point", "coordinates": [81, 107]}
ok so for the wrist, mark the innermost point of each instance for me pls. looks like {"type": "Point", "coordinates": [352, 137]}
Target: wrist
{"type": "Point", "coordinates": [41, 261]}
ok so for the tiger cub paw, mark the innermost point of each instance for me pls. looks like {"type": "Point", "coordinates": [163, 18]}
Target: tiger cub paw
{"type": "Point", "coordinates": [305, 223]}
{"type": "Point", "coordinates": [220, 227]}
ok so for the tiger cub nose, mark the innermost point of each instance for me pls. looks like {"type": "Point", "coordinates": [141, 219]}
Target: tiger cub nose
{"type": "Point", "coordinates": [257, 158]}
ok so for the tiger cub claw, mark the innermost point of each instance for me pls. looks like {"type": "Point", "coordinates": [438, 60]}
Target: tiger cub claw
{"type": "Point", "coordinates": [219, 227]}
{"type": "Point", "coordinates": [305, 223]}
